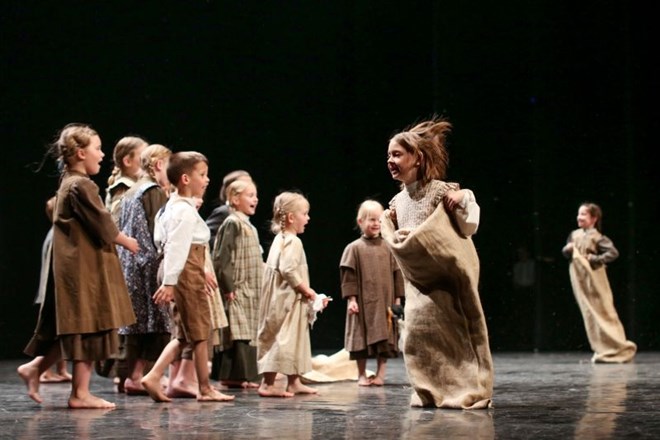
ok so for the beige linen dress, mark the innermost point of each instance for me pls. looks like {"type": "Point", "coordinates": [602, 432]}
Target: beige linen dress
{"type": "Point", "coordinates": [283, 342]}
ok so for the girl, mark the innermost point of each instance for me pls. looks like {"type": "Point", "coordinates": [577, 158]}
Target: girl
{"type": "Point", "coordinates": [239, 266]}
{"type": "Point", "coordinates": [80, 322]}
{"type": "Point", "coordinates": [61, 374]}
{"type": "Point", "coordinates": [144, 340]}
{"type": "Point", "coordinates": [283, 336]}
{"type": "Point", "coordinates": [372, 283]}
{"type": "Point", "coordinates": [589, 251]}
{"type": "Point", "coordinates": [126, 157]}
{"type": "Point", "coordinates": [428, 227]}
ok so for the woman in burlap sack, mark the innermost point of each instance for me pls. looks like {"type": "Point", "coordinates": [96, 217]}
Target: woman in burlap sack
{"type": "Point", "coordinates": [590, 251]}
{"type": "Point", "coordinates": [428, 227]}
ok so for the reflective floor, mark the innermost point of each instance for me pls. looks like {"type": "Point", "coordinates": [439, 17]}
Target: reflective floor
{"type": "Point", "coordinates": [537, 396]}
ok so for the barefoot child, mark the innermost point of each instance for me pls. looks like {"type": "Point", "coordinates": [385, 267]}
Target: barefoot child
{"type": "Point", "coordinates": [80, 322]}
{"type": "Point", "coordinates": [59, 372]}
{"type": "Point", "coordinates": [239, 266]}
{"type": "Point", "coordinates": [146, 339]}
{"type": "Point", "coordinates": [283, 336]}
{"type": "Point", "coordinates": [372, 283]}
{"type": "Point", "coordinates": [183, 235]}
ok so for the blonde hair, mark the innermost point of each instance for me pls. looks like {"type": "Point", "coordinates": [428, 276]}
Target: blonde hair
{"type": "Point", "coordinates": [237, 187]}
{"type": "Point", "coordinates": [285, 203]}
{"type": "Point", "coordinates": [152, 154]}
{"type": "Point", "coordinates": [68, 141]}
{"type": "Point", "coordinates": [365, 208]}
{"type": "Point", "coordinates": [126, 146]}
{"type": "Point", "coordinates": [229, 179]}
{"type": "Point", "coordinates": [427, 142]}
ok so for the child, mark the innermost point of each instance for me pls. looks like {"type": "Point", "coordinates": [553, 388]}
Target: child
{"type": "Point", "coordinates": [221, 212]}
{"type": "Point", "coordinates": [60, 373]}
{"type": "Point", "coordinates": [146, 339]}
{"type": "Point", "coordinates": [80, 322]}
{"type": "Point", "coordinates": [428, 227]}
{"type": "Point", "coordinates": [183, 238]}
{"type": "Point", "coordinates": [126, 157]}
{"type": "Point", "coordinates": [589, 252]}
{"type": "Point", "coordinates": [283, 336]}
{"type": "Point", "coordinates": [372, 283]}
{"type": "Point", "coordinates": [239, 266]}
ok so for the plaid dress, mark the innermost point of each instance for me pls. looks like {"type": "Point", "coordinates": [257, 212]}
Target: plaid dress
{"type": "Point", "coordinates": [238, 263]}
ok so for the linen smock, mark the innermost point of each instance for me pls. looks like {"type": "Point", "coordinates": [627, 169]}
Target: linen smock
{"type": "Point", "coordinates": [283, 342]}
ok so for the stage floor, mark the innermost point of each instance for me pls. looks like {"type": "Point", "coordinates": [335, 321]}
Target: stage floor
{"type": "Point", "coordinates": [537, 396]}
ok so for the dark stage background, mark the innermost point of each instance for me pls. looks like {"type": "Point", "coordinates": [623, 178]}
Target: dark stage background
{"type": "Point", "coordinates": [553, 102]}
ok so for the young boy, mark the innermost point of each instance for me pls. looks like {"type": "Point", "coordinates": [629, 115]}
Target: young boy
{"type": "Point", "coordinates": [182, 234]}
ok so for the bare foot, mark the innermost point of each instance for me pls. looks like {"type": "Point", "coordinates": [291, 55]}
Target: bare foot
{"type": "Point", "coordinates": [214, 395]}
{"type": "Point", "coordinates": [363, 381]}
{"type": "Point", "coordinates": [249, 385]}
{"type": "Point", "coordinates": [181, 389]}
{"type": "Point", "coordinates": [153, 388]}
{"type": "Point", "coordinates": [233, 384]}
{"type": "Point", "coordinates": [89, 402]}
{"type": "Point", "coordinates": [299, 388]}
{"type": "Point", "coordinates": [30, 376]}
{"type": "Point", "coordinates": [49, 376]}
{"type": "Point", "coordinates": [134, 388]}
{"type": "Point", "coordinates": [272, 391]}
{"type": "Point", "coordinates": [377, 381]}
{"type": "Point", "coordinates": [65, 375]}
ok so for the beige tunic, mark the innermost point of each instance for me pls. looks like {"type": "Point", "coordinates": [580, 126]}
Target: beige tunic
{"type": "Point", "coordinates": [283, 343]}
{"type": "Point", "coordinates": [445, 339]}
{"type": "Point", "coordinates": [593, 294]}
{"type": "Point", "coordinates": [90, 291]}
{"type": "Point", "coordinates": [371, 275]}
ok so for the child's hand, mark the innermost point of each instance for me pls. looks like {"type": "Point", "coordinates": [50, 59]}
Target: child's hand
{"type": "Point", "coordinates": [392, 213]}
{"type": "Point", "coordinates": [353, 307]}
{"type": "Point", "coordinates": [164, 295]}
{"type": "Point", "coordinates": [452, 199]}
{"type": "Point", "coordinates": [211, 283]}
{"type": "Point", "coordinates": [401, 234]}
{"type": "Point", "coordinates": [132, 245]}
{"type": "Point", "coordinates": [230, 296]}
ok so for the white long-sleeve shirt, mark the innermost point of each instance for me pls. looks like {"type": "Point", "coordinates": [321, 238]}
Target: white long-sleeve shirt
{"type": "Point", "coordinates": [175, 230]}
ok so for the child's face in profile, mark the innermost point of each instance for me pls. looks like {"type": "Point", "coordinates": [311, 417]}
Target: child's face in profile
{"type": "Point", "coordinates": [584, 218]}
{"type": "Point", "coordinates": [199, 180]}
{"type": "Point", "coordinates": [402, 164]}
{"type": "Point", "coordinates": [298, 219]}
{"type": "Point", "coordinates": [370, 223]}
{"type": "Point", "coordinates": [132, 162]}
{"type": "Point", "coordinates": [92, 155]}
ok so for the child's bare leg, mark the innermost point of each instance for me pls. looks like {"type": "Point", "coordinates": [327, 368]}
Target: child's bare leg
{"type": "Point", "coordinates": [379, 380]}
{"type": "Point", "coordinates": [363, 380]}
{"type": "Point", "coordinates": [151, 380]}
{"type": "Point", "coordinates": [62, 371]}
{"type": "Point", "coordinates": [31, 371]}
{"type": "Point", "coordinates": [206, 392]}
{"type": "Point", "coordinates": [184, 382]}
{"type": "Point", "coordinates": [268, 388]}
{"type": "Point", "coordinates": [295, 386]}
{"type": "Point", "coordinates": [80, 396]}
{"type": "Point", "coordinates": [132, 385]}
